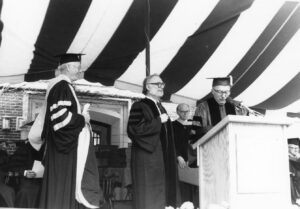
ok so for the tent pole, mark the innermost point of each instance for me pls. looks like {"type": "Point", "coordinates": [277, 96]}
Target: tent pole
{"type": "Point", "coordinates": [147, 35]}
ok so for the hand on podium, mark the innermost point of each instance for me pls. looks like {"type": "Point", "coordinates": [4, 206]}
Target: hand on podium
{"type": "Point", "coordinates": [181, 162]}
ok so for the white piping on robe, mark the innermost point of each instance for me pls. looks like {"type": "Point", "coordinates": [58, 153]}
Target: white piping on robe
{"type": "Point", "coordinates": [60, 103]}
{"type": "Point", "coordinates": [58, 114]}
{"type": "Point", "coordinates": [35, 133]}
{"type": "Point", "coordinates": [82, 148]}
{"type": "Point", "coordinates": [63, 123]}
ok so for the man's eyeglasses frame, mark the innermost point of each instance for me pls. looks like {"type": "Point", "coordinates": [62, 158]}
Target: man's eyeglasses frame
{"type": "Point", "coordinates": [159, 84]}
{"type": "Point", "coordinates": [221, 92]}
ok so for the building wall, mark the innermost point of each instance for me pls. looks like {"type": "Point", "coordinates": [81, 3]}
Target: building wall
{"type": "Point", "coordinates": [120, 106]}
{"type": "Point", "coordinates": [20, 105]}
{"type": "Point", "coordinates": [11, 105]}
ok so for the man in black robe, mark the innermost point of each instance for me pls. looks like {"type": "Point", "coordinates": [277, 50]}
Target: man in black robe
{"type": "Point", "coordinates": [182, 133]}
{"type": "Point", "coordinates": [216, 107]}
{"type": "Point", "coordinates": [154, 168]}
{"type": "Point", "coordinates": [71, 178]}
{"type": "Point", "coordinates": [182, 130]}
{"type": "Point", "coordinates": [294, 162]}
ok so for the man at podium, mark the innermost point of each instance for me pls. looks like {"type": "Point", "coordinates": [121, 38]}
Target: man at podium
{"type": "Point", "coordinates": [216, 107]}
{"type": "Point", "coordinates": [294, 161]}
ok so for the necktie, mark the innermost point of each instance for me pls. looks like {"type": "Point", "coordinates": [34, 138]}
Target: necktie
{"type": "Point", "coordinates": [222, 111]}
{"type": "Point", "coordinates": [161, 108]}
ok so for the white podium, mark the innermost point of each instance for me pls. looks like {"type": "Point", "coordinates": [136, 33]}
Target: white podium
{"type": "Point", "coordinates": [243, 163]}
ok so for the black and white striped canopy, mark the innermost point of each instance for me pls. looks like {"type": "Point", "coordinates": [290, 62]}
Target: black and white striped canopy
{"type": "Point", "coordinates": [255, 41]}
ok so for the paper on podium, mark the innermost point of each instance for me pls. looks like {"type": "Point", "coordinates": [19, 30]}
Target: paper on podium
{"type": "Point", "coordinates": [38, 168]}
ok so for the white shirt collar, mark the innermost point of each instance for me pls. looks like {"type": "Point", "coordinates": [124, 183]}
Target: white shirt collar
{"type": "Point", "coordinates": [151, 98]}
{"type": "Point", "coordinates": [64, 77]}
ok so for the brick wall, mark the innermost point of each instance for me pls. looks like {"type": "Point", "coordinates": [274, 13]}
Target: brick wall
{"type": "Point", "coordinates": [11, 104]}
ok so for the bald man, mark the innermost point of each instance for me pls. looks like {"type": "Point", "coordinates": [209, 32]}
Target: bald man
{"type": "Point", "coordinates": [182, 128]}
{"type": "Point", "coordinates": [182, 134]}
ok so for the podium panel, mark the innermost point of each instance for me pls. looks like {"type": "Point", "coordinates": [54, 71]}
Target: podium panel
{"type": "Point", "coordinates": [243, 163]}
{"type": "Point", "coordinates": [254, 174]}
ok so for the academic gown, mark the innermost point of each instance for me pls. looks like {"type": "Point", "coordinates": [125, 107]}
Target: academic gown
{"type": "Point", "coordinates": [208, 114]}
{"type": "Point", "coordinates": [182, 135]}
{"type": "Point", "coordinates": [181, 138]}
{"type": "Point", "coordinates": [154, 167]}
{"type": "Point", "coordinates": [64, 184]}
{"type": "Point", "coordinates": [295, 180]}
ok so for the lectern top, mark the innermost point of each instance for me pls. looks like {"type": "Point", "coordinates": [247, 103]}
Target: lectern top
{"type": "Point", "coordinates": [284, 121]}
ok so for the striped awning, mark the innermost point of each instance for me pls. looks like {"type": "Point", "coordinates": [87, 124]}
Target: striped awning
{"type": "Point", "coordinates": [255, 41]}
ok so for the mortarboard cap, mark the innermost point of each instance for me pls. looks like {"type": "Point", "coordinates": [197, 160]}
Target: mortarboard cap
{"type": "Point", "coordinates": [222, 81]}
{"type": "Point", "coordinates": [69, 57]}
{"type": "Point", "coordinates": [294, 141]}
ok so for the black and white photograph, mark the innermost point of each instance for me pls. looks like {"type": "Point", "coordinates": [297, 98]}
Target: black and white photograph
{"type": "Point", "coordinates": [150, 104]}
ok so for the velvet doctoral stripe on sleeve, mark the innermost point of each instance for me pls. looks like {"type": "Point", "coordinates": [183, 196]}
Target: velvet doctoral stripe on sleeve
{"type": "Point", "coordinates": [143, 126]}
{"type": "Point", "coordinates": [65, 122]}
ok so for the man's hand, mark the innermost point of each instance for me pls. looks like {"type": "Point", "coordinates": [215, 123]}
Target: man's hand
{"type": "Point", "coordinates": [30, 174]}
{"type": "Point", "coordinates": [85, 113]}
{"type": "Point", "coordinates": [181, 162]}
{"type": "Point", "coordinates": [86, 116]}
{"type": "Point", "coordinates": [86, 108]}
{"type": "Point", "coordinates": [164, 117]}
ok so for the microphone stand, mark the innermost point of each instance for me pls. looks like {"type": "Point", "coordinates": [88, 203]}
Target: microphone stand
{"type": "Point", "coordinates": [240, 105]}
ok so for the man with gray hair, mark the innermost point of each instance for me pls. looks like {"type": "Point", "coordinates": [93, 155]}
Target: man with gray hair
{"type": "Point", "coordinates": [71, 178]}
{"type": "Point", "coordinates": [182, 129]}
{"type": "Point", "coordinates": [154, 168]}
{"type": "Point", "coordinates": [182, 134]}
{"type": "Point", "coordinates": [216, 107]}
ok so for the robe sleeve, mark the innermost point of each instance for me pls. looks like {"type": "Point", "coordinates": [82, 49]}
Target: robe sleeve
{"type": "Point", "coordinates": [241, 110]}
{"type": "Point", "coordinates": [65, 123]}
{"type": "Point", "coordinates": [176, 140]}
{"type": "Point", "coordinates": [200, 124]}
{"type": "Point", "coordinates": [143, 129]}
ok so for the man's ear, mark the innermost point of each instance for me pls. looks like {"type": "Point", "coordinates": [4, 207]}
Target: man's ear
{"type": "Point", "coordinates": [147, 87]}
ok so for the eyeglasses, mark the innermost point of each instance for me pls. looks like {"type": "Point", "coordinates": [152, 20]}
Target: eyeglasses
{"type": "Point", "coordinates": [222, 92]}
{"type": "Point", "coordinates": [184, 111]}
{"type": "Point", "coordinates": [159, 84]}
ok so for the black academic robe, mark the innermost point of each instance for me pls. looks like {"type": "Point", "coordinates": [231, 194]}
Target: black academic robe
{"type": "Point", "coordinates": [63, 127]}
{"type": "Point", "coordinates": [295, 180]}
{"type": "Point", "coordinates": [182, 134]}
{"type": "Point", "coordinates": [208, 114]}
{"type": "Point", "coordinates": [181, 137]}
{"type": "Point", "coordinates": [154, 167]}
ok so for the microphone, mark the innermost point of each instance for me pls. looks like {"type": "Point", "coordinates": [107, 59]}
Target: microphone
{"type": "Point", "coordinates": [240, 105]}
{"type": "Point", "coordinates": [251, 111]}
